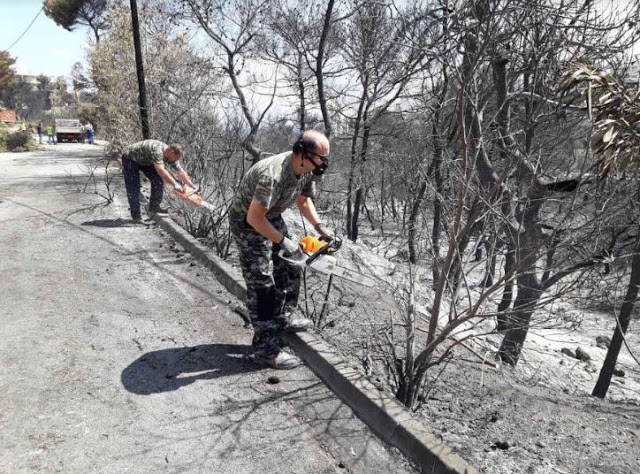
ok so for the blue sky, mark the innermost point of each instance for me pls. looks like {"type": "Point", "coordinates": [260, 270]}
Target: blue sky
{"type": "Point", "coordinates": [49, 49]}
{"type": "Point", "coordinates": [46, 48]}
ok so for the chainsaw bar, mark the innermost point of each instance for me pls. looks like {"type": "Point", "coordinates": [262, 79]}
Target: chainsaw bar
{"type": "Point", "coordinates": [208, 206]}
{"type": "Point", "coordinates": [322, 262]}
{"type": "Point", "coordinates": [327, 264]}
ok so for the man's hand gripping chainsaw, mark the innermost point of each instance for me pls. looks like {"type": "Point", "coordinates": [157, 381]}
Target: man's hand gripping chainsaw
{"type": "Point", "coordinates": [318, 256]}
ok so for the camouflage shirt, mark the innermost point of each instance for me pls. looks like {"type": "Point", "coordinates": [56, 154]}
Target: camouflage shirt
{"type": "Point", "coordinates": [273, 184]}
{"type": "Point", "coordinates": [149, 153]}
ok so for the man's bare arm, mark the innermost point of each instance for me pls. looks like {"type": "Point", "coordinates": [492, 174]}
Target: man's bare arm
{"type": "Point", "coordinates": [165, 175]}
{"type": "Point", "coordinates": [308, 209]}
{"type": "Point", "coordinates": [256, 218]}
{"type": "Point", "coordinates": [184, 177]}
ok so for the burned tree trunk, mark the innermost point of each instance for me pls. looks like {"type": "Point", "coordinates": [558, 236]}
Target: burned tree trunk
{"type": "Point", "coordinates": [609, 364]}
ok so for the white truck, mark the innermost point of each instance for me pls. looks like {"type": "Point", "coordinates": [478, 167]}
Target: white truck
{"type": "Point", "coordinates": [69, 130]}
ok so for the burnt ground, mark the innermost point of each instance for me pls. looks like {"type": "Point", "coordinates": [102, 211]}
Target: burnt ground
{"type": "Point", "coordinates": [120, 353]}
{"type": "Point", "coordinates": [506, 426]}
{"type": "Point", "coordinates": [537, 418]}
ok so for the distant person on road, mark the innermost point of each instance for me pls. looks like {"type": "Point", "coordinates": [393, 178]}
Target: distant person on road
{"type": "Point", "coordinates": [40, 132]}
{"type": "Point", "coordinates": [152, 157]}
{"type": "Point", "coordinates": [50, 135]}
{"type": "Point", "coordinates": [273, 284]}
{"type": "Point", "coordinates": [88, 128]}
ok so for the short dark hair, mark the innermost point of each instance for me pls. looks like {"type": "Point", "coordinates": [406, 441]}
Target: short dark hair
{"type": "Point", "coordinates": [175, 148]}
{"type": "Point", "coordinates": [310, 139]}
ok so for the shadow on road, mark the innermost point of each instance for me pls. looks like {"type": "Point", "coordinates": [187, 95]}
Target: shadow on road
{"type": "Point", "coordinates": [170, 369]}
{"type": "Point", "coordinates": [105, 223]}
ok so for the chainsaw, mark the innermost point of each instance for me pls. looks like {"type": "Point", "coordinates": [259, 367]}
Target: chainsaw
{"type": "Point", "coordinates": [318, 255]}
{"type": "Point", "coordinates": [192, 196]}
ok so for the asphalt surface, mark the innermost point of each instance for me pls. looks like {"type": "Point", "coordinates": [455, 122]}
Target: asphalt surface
{"type": "Point", "coordinates": [121, 354]}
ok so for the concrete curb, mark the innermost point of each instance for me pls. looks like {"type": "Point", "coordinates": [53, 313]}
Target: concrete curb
{"type": "Point", "coordinates": [383, 414]}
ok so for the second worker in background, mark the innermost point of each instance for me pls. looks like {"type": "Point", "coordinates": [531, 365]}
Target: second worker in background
{"type": "Point", "coordinates": [273, 285]}
{"type": "Point", "coordinates": [152, 157]}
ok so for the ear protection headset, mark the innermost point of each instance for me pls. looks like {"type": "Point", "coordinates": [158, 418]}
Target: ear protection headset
{"type": "Point", "coordinates": [299, 146]}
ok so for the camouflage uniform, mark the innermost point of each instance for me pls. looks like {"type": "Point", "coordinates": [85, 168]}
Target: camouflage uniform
{"type": "Point", "coordinates": [273, 284]}
{"type": "Point", "coordinates": [149, 153]}
{"type": "Point", "coordinates": [142, 156]}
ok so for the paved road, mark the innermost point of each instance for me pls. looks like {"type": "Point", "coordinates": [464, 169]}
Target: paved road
{"type": "Point", "coordinates": [118, 353]}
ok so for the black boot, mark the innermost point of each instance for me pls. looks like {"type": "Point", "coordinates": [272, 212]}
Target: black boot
{"type": "Point", "coordinates": [163, 211]}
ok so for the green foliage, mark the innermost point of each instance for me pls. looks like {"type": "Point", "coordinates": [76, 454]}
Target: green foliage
{"type": "Point", "coordinates": [4, 134]}
{"type": "Point", "coordinates": [7, 73]}
{"type": "Point", "coordinates": [44, 83]}
{"type": "Point", "coordinates": [21, 96]}
{"type": "Point", "coordinates": [63, 12]}
{"type": "Point", "coordinates": [112, 70]}
{"type": "Point", "coordinates": [175, 78]}
{"type": "Point", "coordinates": [89, 113]}
{"type": "Point", "coordinates": [70, 13]}
{"type": "Point", "coordinates": [18, 141]}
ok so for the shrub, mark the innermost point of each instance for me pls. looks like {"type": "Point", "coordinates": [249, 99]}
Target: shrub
{"type": "Point", "coordinates": [18, 141]}
{"type": "Point", "coordinates": [4, 135]}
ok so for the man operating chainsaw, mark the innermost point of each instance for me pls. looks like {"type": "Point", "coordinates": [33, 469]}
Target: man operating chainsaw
{"type": "Point", "coordinates": [273, 284]}
{"type": "Point", "coordinates": [152, 157]}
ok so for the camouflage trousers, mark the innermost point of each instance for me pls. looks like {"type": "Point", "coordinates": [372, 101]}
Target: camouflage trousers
{"type": "Point", "coordinates": [273, 285]}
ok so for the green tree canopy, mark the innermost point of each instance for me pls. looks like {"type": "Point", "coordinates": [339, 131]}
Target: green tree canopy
{"type": "Point", "coordinates": [70, 13]}
{"type": "Point", "coordinates": [7, 73]}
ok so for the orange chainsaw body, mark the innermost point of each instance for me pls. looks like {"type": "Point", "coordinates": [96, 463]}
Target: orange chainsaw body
{"type": "Point", "coordinates": [311, 244]}
{"type": "Point", "coordinates": [190, 195]}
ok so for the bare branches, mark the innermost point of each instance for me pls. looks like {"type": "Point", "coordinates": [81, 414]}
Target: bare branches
{"type": "Point", "coordinates": [450, 134]}
{"type": "Point", "coordinates": [236, 28]}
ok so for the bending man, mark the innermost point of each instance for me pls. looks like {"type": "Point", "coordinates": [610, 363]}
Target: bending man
{"type": "Point", "coordinates": [269, 187]}
{"type": "Point", "coordinates": [152, 157]}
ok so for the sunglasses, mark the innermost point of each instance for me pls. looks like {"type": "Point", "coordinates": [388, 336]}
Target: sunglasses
{"type": "Point", "coordinates": [322, 157]}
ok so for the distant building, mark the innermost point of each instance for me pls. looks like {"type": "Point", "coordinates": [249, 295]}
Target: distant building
{"type": "Point", "coordinates": [29, 79]}
{"type": "Point", "coordinates": [8, 116]}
